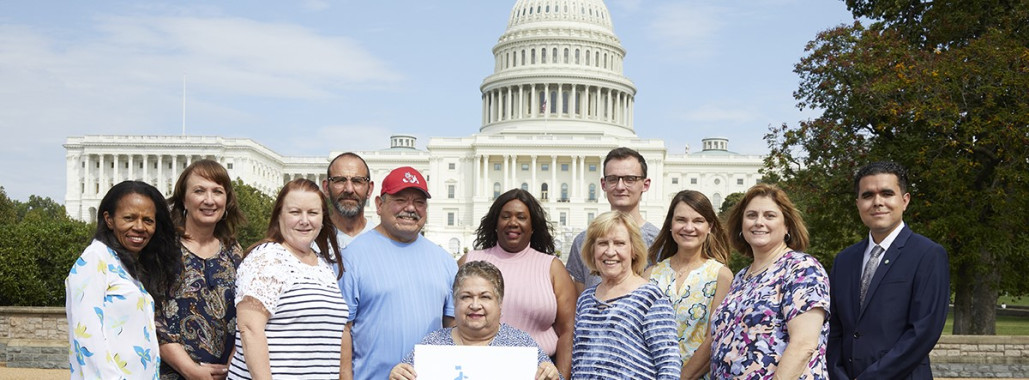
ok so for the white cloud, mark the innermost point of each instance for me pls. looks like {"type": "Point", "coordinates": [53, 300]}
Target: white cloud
{"type": "Point", "coordinates": [124, 76]}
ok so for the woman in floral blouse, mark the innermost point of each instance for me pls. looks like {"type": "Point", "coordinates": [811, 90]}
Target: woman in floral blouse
{"type": "Point", "coordinates": [775, 320]}
{"type": "Point", "coordinates": [112, 288]}
{"type": "Point", "coordinates": [197, 324]}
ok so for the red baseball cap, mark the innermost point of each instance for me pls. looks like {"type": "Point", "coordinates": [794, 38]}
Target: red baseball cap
{"type": "Point", "coordinates": [402, 178]}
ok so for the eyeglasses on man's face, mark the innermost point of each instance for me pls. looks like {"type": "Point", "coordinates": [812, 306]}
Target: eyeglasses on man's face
{"type": "Point", "coordinates": [355, 180]}
{"type": "Point", "coordinates": [628, 180]}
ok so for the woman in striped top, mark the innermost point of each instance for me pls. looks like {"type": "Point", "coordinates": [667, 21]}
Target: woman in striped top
{"type": "Point", "coordinates": [624, 327]}
{"type": "Point", "coordinates": [290, 312]}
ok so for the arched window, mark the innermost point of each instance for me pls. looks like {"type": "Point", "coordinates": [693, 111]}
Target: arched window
{"type": "Point", "coordinates": [525, 186]}
{"type": "Point", "coordinates": [596, 59]}
{"type": "Point", "coordinates": [496, 190]}
{"type": "Point", "coordinates": [543, 55]}
{"type": "Point", "coordinates": [455, 247]}
{"type": "Point", "coordinates": [605, 60]}
{"type": "Point", "coordinates": [576, 56]}
{"type": "Point", "coordinates": [543, 191]}
{"type": "Point", "coordinates": [564, 102]}
{"type": "Point", "coordinates": [523, 57]}
{"type": "Point", "coordinates": [533, 53]}
{"type": "Point", "coordinates": [553, 56]}
{"type": "Point", "coordinates": [566, 56]}
{"type": "Point", "coordinates": [587, 57]}
{"type": "Point", "coordinates": [564, 192]}
{"type": "Point", "coordinates": [543, 102]}
{"type": "Point", "coordinates": [717, 201]}
{"type": "Point", "coordinates": [553, 105]}
{"type": "Point", "coordinates": [593, 192]}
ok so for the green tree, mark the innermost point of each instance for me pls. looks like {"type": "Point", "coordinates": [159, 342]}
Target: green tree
{"type": "Point", "coordinates": [257, 208]}
{"type": "Point", "coordinates": [940, 87]}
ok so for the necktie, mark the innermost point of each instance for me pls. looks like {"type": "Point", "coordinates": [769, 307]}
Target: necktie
{"type": "Point", "coordinates": [869, 271]}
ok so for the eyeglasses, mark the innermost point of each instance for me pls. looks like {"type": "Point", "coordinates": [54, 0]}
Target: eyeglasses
{"type": "Point", "coordinates": [629, 180]}
{"type": "Point", "coordinates": [355, 180]}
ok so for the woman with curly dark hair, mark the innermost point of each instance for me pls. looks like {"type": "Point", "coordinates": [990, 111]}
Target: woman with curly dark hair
{"type": "Point", "coordinates": [113, 289]}
{"type": "Point", "coordinates": [197, 324]}
{"type": "Point", "coordinates": [516, 237]}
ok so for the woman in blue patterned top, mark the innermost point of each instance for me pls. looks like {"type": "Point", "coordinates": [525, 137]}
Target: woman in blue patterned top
{"type": "Point", "coordinates": [478, 294]}
{"type": "Point", "coordinates": [625, 326]}
{"type": "Point", "coordinates": [197, 324]}
{"type": "Point", "coordinates": [112, 288]}
{"type": "Point", "coordinates": [775, 320]}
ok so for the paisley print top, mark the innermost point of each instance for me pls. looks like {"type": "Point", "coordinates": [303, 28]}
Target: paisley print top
{"type": "Point", "coordinates": [200, 311]}
{"type": "Point", "coordinates": [692, 301]}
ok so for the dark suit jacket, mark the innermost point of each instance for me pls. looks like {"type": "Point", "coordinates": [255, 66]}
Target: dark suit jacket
{"type": "Point", "coordinates": [889, 337]}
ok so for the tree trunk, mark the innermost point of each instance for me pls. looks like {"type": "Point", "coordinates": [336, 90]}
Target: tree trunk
{"type": "Point", "coordinates": [975, 300]}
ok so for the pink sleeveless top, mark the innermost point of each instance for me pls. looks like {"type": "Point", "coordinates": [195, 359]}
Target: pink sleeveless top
{"type": "Point", "coordinates": [529, 300]}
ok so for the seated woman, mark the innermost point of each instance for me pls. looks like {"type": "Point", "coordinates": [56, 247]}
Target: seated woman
{"type": "Point", "coordinates": [112, 289]}
{"type": "Point", "coordinates": [515, 236]}
{"type": "Point", "coordinates": [478, 290]}
{"type": "Point", "coordinates": [624, 326]}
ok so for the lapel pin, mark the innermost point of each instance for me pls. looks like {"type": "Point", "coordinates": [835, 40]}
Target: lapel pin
{"type": "Point", "coordinates": [887, 262]}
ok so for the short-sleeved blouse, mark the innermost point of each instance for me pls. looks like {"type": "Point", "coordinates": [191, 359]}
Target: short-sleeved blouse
{"type": "Point", "coordinates": [748, 330]}
{"type": "Point", "coordinates": [200, 311]}
{"type": "Point", "coordinates": [692, 301]}
{"type": "Point", "coordinates": [110, 319]}
{"type": "Point", "coordinates": [507, 336]}
{"type": "Point", "coordinates": [308, 314]}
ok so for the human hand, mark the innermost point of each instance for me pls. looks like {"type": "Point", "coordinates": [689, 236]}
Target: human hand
{"type": "Point", "coordinates": [547, 371]}
{"type": "Point", "coordinates": [207, 371]}
{"type": "Point", "coordinates": [402, 371]}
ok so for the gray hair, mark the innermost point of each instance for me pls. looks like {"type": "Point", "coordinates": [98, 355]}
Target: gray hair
{"type": "Point", "coordinates": [484, 270]}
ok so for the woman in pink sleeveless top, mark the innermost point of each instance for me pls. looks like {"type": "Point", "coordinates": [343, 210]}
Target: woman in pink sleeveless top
{"type": "Point", "coordinates": [540, 297]}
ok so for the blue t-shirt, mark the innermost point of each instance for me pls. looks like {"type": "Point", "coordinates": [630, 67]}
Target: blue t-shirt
{"type": "Point", "coordinates": [397, 294]}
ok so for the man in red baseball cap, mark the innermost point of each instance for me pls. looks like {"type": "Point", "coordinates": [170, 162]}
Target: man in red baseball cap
{"type": "Point", "coordinates": [397, 283]}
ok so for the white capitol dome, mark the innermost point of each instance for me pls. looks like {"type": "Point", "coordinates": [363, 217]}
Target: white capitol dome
{"type": "Point", "coordinates": [558, 69]}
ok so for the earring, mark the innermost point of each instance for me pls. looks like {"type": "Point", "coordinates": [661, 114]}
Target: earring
{"type": "Point", "coordinates": [787, 237]}
{"type": "Point", "coordinates": [741, 234]}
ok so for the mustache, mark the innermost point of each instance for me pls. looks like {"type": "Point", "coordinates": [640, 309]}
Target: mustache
{"type": "Point", "coordinates": [409, 214]}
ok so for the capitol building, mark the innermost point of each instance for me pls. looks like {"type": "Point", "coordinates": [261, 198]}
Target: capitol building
{"type": "Point", "coordinates": [556, 103]}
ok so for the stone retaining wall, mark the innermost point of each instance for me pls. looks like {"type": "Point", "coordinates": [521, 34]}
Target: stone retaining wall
{"type": "Point", "coordinates": [37, 337]}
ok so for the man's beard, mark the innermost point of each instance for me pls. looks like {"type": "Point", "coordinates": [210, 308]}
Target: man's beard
{"type": "Point", "coordinates": [349, 212]}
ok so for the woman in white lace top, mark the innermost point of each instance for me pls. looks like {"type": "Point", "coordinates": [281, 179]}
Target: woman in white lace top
{"type": "Point", "coordinates": [290, 313]}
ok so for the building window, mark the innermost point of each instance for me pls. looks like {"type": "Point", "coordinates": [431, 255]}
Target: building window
{"type": "Point", "coordinates": [450, 219]}
{"type": "Point", "coordinates": [675, 181]}
{"type": "Point", "coordinates": [83, 164]}
{"type": "Point", "coordinates": [739, 181]}
{"type": "Point", "coordinates": [496, 167]}
{"type": "Point", "coordinates": [230, 165]}
{"type": "Point", "coordinates": [564, 192]}
{"type": "Point", "coordinates": [451, 166]}
{"type": "Point", "coordinates": [525, 186]}
{"type": "Point", "coordinates": [525, 167]}
{"type": "Point", "coordinates": [450, 191]}
{"type": "Point", "coordinates": [593, 167]}
{"type": "Point", "coordinates": [496, 190]}
{"type": "Point", "coordinates": [693, 181]}
{"type": "Point", "coordinates": [593, 192]}
{"type": "Point", "coordinates": [718, 181]}
{"type": "Point", "coordinates": [589, 218]}
{"type": "Point", "coordinates": [543, 191]}
{"type": "Point", "coordinates": [564, 167]}
{"type": "Point", "coordinates": [564, 219]}
{"type": "Point", "coordinates": [545, 167]}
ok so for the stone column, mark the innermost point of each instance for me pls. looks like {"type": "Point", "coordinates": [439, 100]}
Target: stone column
{"type": "Point", "coordinates": [532, 179]}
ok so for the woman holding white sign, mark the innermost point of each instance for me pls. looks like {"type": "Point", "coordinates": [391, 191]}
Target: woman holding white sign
{"type": "Point", "coordinates": [478, 294]}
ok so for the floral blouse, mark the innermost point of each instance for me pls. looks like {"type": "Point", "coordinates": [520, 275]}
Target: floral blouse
{"type": "Point", "coordinates": [692, 301]}
{"type": "Point", "coordinates": [200, 312]}
{"type": "Point", "coordinates": [748, 329]}
{"type": "Point", "coordinates": [110, 319]}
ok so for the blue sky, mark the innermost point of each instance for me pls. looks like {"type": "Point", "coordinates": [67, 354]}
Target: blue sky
{"type": "Point", "coordinates": [310, 77]}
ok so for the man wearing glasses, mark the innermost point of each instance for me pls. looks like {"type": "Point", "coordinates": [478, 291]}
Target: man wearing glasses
{"type": "Point", "coordinates": [348, 186]}
{"type": "Point", "coordinates": [624, 181]}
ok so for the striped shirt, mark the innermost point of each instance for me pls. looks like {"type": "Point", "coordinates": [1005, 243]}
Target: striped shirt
{"type": "Point", "coordinates": [627, 337]}
{"type": "Point", "coordinates": [307, 314]}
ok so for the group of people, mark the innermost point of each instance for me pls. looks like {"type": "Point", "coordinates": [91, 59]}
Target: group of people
{"type": "Point", "coordinates": [165, 290]}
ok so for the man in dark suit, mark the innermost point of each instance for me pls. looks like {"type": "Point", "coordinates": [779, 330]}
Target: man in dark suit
{"type": "Point", "coordinates": [889, 292]}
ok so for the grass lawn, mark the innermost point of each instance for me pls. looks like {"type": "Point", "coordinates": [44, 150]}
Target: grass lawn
{"type": "Point", "coordinates": [1005, 325]}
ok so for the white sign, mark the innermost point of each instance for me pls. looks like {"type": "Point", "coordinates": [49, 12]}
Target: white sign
{"type": "Point", "coordinates": [475, 362]}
